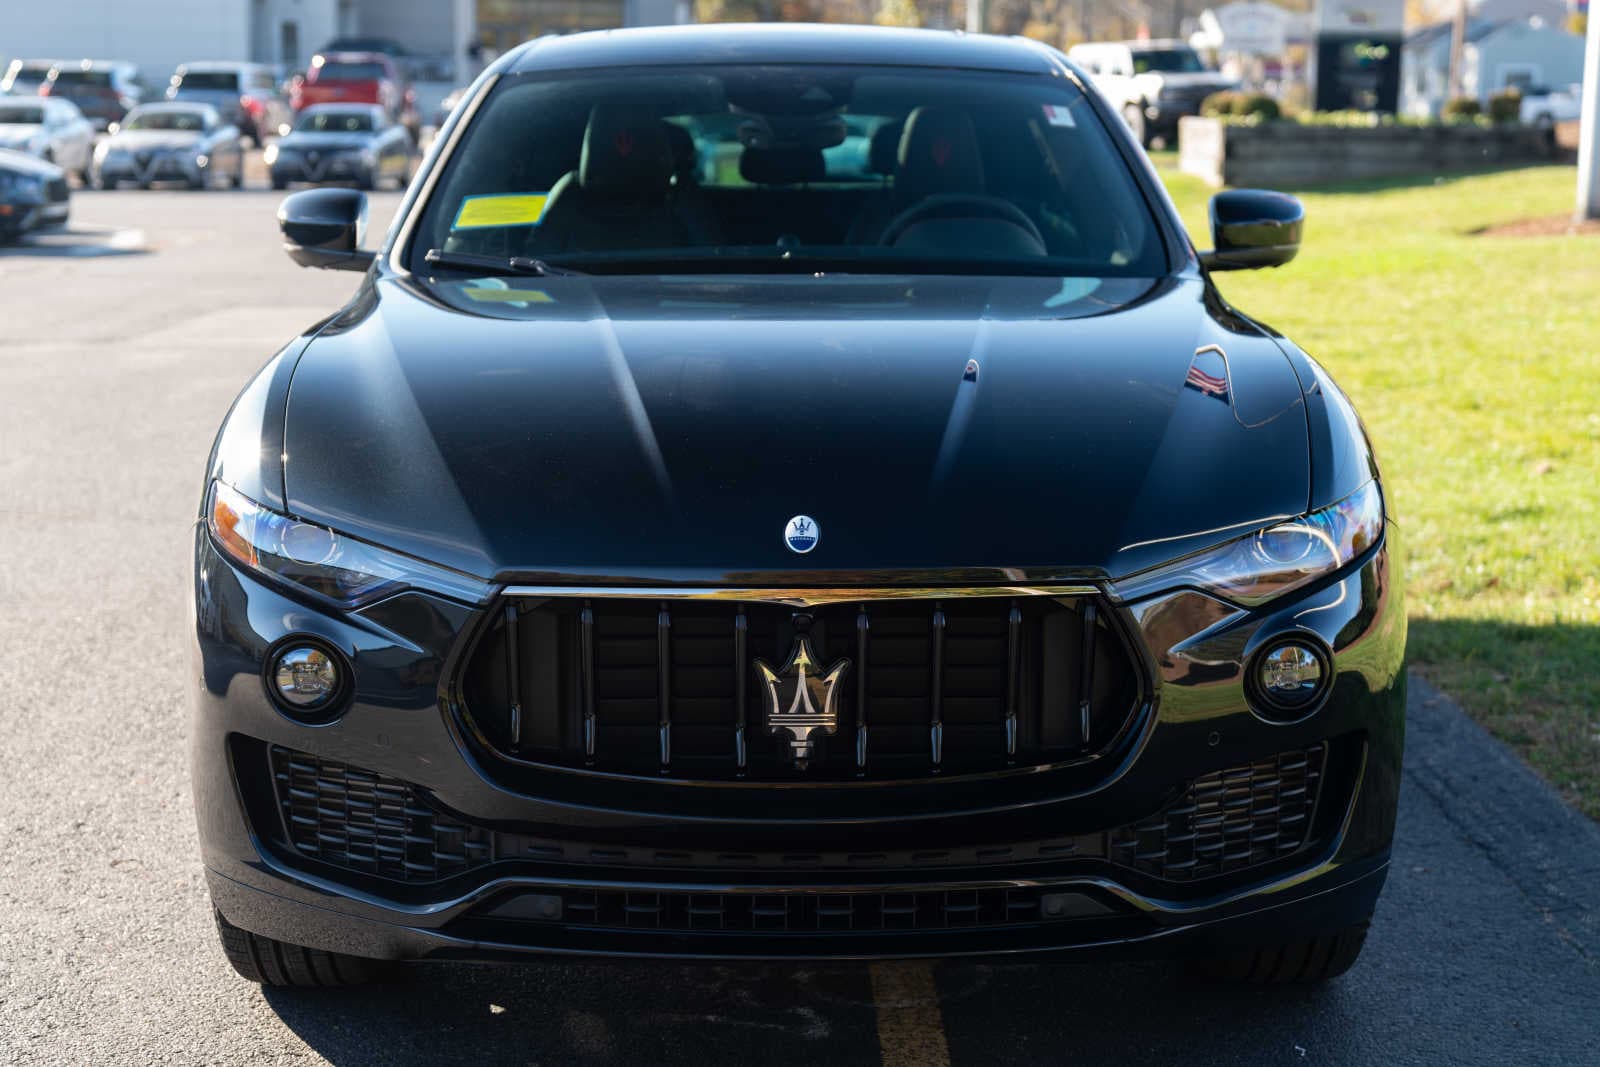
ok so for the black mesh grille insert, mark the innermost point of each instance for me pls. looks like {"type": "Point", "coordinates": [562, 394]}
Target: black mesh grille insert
{"type": "Point", "coordinates": [1223, 823]}
{"type": "Point", "coordinates": [1228, 821]}
{"type": "Point", "coordinates": [961, 685]}
{"type": "Point", "coordinates": [366, 822]}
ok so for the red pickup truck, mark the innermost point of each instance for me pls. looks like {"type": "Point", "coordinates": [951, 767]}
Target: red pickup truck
{"type": "Point", "coordinates": [355, 78]}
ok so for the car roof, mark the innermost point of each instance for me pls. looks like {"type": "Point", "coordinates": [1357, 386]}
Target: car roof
{"type": "Point", "coordinates": [783, 43]}
{"type": "Point", "coordinates": [1134, 46]}
{"type": "Point", "coordinates": [94, 64]}
{"type": "Point", "coordinates": [366, 109]}
{"type": "Point", "coordinates": [174, 105]}
{"type": "Point", "coordinates": [215, 65]}
{"type": "Point", "coordinates": [348, 57]}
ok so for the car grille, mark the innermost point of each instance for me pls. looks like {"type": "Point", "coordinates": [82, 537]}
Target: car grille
{"type": "Point", "coordinates": [1222, 823]}
{"type": "Point", "coordinates": [791, 913]}
{"type": "Point", "coordinates": [1187, 99]}
{"type": "Point", "coordinates": [674, 688]}
{"type": "Point", "coordinates": [56, 190]}
{"type": "Point", "coordinates": [1228, 821]}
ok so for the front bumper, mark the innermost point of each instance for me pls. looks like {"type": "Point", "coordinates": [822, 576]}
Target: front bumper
{"type": "Point", "coordinates": [171, 167]}
{"type": "Point", "coordinates": [338, 168]}
{"type": "Point", "coordinates": [646, 873]}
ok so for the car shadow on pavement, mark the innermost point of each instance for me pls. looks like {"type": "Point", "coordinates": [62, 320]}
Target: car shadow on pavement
{"type": "Point", "coordinates": [87, 242]}
{"type": "Point", "coordinates": [697, 1014]}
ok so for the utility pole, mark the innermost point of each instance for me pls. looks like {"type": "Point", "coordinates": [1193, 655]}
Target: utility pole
{"type": "Point", "coordinates": [976, 12]}
{"type": "Point", "coordinates": [1589, 137]}
{"type": "Point", "coordinates": [1458, 45]}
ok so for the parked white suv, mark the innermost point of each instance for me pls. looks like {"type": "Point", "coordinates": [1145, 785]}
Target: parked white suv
{"type": "Point", "coordinates": [1151, 83]}
{"type": "Point", "coordinates": [1543, 106]}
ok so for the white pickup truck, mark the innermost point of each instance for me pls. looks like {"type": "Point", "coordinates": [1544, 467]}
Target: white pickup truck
{"type": "Point", "coordinates": [1152, 84]}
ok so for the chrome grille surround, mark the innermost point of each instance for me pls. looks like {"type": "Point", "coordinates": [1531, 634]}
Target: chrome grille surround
{"type": "Point", "coordinates": [943, 681]}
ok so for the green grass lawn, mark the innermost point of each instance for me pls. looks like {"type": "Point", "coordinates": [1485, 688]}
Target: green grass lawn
{"type": "Point", "coordinates": [1475, 362]}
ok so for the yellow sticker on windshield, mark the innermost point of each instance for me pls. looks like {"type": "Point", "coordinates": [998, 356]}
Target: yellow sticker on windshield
{"type": "Point", "coordinates": [503, 209]}
{"type": "Point", "coordinates": [484, 293]}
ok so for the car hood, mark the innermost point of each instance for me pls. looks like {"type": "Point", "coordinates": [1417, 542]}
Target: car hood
{"type": "Point", "coordinates": [18, 133]}
{"type": "Point", "coordinates": [634, 428]}
{"type": "Point", "coordinates": [1190, 80]}
{"type": "Point", "coordinates": [145, 140]}
{"type": "Point", "coordinates": [23, 163]}
{"type": "Point", "coordinates": [324, 142]}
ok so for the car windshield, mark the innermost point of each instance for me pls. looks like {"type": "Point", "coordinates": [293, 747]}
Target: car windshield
{"type": "Point", "coordinates": [95, 79]}
{"type": "Point", "coordinates": [335, 71]}
{"type": "Point", "coordinates": [226, 80]}
{"type": "Point", "coordinates": [20, 115]}
{"type": "Point", "coordinates": [334, 122]}
{"type": "Point", "coordinates": [164, 120]}
{"type": "Point", "coordinates": [771, 167]}
{"type": "Point", "coordinates": [1168, 61]}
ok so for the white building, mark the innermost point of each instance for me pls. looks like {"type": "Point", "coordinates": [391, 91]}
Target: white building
{"type": "Point", "coordinates": [1516, 52]}
{"type": "Point", "coordinates": [157, 35]}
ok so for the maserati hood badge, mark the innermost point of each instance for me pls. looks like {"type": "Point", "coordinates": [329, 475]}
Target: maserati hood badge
{"type": "Point", "coordinates": [802, 534]}
{"type": "Point", "coordinates": [801, 700]}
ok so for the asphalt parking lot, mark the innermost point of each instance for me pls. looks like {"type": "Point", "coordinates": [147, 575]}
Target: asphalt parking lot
{"type": "Point", "coordinates": [126, 337]}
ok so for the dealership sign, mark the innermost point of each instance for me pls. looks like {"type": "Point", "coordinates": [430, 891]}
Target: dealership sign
{"type": "Point", "coordinates": [1250, 27]}
{"type": "Point", "coordinates": [1378, 18]}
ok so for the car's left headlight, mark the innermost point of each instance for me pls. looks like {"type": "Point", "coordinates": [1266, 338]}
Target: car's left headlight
{"type": "Point", "coordinates": [1280, 559]}
{"type": "Point", "coordinates": [334, 566]}
{"type": "Point", "coordinates": [12, 182]}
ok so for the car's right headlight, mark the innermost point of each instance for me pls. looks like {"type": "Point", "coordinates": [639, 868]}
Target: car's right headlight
{"type": "Point", "coordinates": [1279, 559]}
{"type": "Point", "coordinates": [332, 565]}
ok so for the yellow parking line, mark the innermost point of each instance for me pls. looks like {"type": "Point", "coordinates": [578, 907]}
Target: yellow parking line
{"type": "Point", "coordinates": [910, 1025]}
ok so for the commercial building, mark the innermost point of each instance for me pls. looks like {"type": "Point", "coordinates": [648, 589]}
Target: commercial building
{"type": "Point", "coordinates": [445, 35]}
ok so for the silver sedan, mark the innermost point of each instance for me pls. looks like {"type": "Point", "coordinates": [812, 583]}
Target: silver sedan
{"type": "Point", "coordinates": [187, 143]}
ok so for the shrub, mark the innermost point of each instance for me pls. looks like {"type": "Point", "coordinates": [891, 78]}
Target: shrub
{"type": "Point", "coordinates": [1461, 109]}
{"type": "Point", "coordinates": [1261, 106]}
{"type": "Point", "coordinates": [1221, 105]}
{"type": "Point", "coordinates": [1229, 104]}
{"type": "Point", "coordinates": [1506, 106]}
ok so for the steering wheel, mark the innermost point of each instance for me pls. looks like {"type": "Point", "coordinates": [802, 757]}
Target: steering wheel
{"type": "Point", "coordinates": [959, 206]}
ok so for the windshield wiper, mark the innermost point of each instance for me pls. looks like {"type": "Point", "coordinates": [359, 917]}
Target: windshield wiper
{"type": "Point", "coordinates": [523, 265]}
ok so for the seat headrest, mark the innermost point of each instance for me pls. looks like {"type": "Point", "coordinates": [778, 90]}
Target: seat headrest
{"type": "Point", "coordinates": [782, 166]}
{"type": "Point", "coordinates": [938, 154]}
{"type": "Point", "coordinates": [625, 153]}
{"type": "Point", "coordinates": [685, 157]}
{"type": "Point", "coordinates": [884, 148]}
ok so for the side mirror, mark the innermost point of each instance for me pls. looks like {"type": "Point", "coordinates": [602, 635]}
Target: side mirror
{"type": "Point", "coordinates": [325, 228]}
{"type": "Point", "coordinates": [1253, 228]}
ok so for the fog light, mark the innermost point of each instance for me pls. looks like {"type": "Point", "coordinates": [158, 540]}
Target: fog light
{"type": "Point", "coordinates": [306, 677]}
{"type": "Point", "coordinates": [1291, 676]}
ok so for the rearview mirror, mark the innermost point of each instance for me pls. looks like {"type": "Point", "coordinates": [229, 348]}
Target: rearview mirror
{"type": "Point", "coordinates": [325, 228]}
{"type": "Point", "coordinates": [1253, 228]}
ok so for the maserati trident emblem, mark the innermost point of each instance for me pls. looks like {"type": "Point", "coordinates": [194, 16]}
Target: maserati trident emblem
{"type": "Point", "coordinates": [801, 700]}
{"type": "Point", "coordinates": [802, 534]}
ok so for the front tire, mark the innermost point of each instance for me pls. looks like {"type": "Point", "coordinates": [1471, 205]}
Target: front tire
{"type": "Point", "coordinates": [277, 963]}
{"type": "Point", "coordinates": [1300, 962]}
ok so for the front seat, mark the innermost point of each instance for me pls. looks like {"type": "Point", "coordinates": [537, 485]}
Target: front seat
{"type": "Point", "coordinates": [940, 194]}
{"type": "Point", "coordinates": [622, 196]}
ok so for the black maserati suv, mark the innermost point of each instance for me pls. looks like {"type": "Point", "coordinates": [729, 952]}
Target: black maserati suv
{"type": "Point", "coordinates": [792, 492]}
